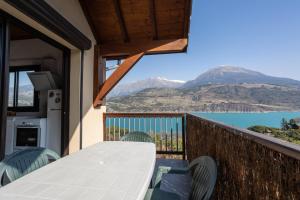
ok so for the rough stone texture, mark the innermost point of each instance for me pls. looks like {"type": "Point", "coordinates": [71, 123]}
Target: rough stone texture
{"type": "Point", "coordinates": [248, 166]}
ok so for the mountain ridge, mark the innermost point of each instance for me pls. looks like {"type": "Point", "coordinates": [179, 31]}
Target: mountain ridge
{"type": "Point", "coordinates": [154, 82]}
{"type": "Point", "coordinates": [223, 89]}
{"type": "Point", "coordinates": [238, 75]}
{"type": "Point", "coordinates": [218, 75]}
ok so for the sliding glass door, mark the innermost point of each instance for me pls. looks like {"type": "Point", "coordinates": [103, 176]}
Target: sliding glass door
{"type": "Point", "coordinates": [4, 81]}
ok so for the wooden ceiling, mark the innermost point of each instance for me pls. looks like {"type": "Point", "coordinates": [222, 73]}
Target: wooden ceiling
{"type": "Point", "coordinates": [137, 21]}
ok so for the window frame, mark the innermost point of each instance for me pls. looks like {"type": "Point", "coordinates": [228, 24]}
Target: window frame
{"type": "Point", "coordinates": [16, 70]}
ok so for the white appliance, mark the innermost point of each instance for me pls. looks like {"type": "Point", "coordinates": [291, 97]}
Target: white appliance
{"type": "Point", "coordinates": [43, 80]}
{"type": "Point", "coordinates": [29, 132]}
{"type": "Point", "coordinates": [54, 105]}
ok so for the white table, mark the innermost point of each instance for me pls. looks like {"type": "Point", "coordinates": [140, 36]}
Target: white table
{"type": "Point", "coordinates": [105, 171]}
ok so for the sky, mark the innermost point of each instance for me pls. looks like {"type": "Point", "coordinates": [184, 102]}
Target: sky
{"type": "Point", "coordinates": [261, 35]}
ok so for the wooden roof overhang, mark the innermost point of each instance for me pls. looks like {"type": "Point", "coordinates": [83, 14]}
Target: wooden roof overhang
{"type": "Point", "coordinates": [129, 29]}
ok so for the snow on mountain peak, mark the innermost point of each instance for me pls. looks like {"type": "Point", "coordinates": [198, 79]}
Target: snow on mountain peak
{"type": "Point", "coordinates": [136, 86]}
{"type": "Point", "coordinates": [169, 80]}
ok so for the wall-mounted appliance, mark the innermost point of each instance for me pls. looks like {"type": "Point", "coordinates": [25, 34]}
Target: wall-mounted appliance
{"type": "Point", "coordinates": [43, 80]}
{"type": "Point", "coordinates": [29, 133]}
{"type": "Point", "coordinates": [54, 107]}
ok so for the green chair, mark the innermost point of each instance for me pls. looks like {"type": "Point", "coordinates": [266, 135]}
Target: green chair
{"type": "Point", "coordinates": [23, 162]}
{"type": "Point", "coordinates": [204, 175]}
{"type": "Point", "coordinates": [137, 137]}
{"type": "Point", "coordinates": [157, 194]}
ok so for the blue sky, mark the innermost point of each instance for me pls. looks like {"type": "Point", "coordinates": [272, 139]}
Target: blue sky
{"type": "Point", "coordinates": [262, 35]}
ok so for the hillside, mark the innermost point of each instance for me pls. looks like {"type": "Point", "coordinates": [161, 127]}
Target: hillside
{"type": "Point", "coordinates": [221, 89]}
{"type": "Point", "coordinates": [133, 87]}
{"type": "Point", "coordinates": [210, 98]}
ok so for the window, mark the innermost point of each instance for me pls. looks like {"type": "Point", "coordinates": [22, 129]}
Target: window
{"type": "Point", "coordinates": [22, 96]}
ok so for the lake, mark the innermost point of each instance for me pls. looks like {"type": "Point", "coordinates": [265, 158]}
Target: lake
{"type": "Point", "coordinates": [168, 125]}
{"type": "Point", "coordinates": [245, 120]}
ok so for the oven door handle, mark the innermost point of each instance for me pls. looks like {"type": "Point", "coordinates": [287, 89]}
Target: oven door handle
{"type": "Point", "coordinates": [27, 126]}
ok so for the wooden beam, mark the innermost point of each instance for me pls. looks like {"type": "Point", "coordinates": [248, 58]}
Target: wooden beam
{"type": "Point", "coordinates": [99, 71]}
{"type": "Point", "coordinates": [116, 76]}
{"type": "Point", "coordinates": [187, 15]}
{"type": "Point", "coordinates": [121, 20]}
{"type": "Point", "coordinates": [151, 47]}
{"type": "Point", "coordinates": [152, 11]}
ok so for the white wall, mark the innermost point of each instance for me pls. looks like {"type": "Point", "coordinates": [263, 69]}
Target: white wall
{"type": "Point", "coordinates": [32, 51]}
{"type": "Point", "coordinates": [71, 10]}
{"type": "Point", "coordinates": [92, 118]}
{"type": "Point", "coordinates": [37, 52]}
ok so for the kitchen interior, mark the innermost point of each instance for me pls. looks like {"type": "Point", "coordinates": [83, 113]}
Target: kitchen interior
{"type": "Point", "coordinates": [35, 93]}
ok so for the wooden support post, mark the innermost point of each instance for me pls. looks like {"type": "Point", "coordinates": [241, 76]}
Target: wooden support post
{"type": "Point", "coordinates": [99, 71]}
{"type": "Point", "coordinates": [117, 75]}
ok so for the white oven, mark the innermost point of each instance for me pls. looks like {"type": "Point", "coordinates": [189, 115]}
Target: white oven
{"type": "Point", "coordinates": [29, 133]}
{"type": "Point", "coordinates": [27, 136]}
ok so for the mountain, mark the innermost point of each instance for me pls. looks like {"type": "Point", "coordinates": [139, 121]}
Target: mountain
{"type": "Point", "coordinates": [131, 88]}
{"type": "Point", "coordinates": [238, 75]}
{"type": "Point", "coordinates": [222, 89]}
{"type": "Point", "coordinates": [210, 98]}
{"type": "Point", "coordinates": [25, 95]}
{"type": "Point", "coordinates": [23, 90]}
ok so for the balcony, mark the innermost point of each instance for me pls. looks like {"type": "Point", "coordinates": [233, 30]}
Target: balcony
{"type": "Point", "coordinates": [250, 165]}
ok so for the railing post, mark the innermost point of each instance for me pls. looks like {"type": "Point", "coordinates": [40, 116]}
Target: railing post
{"type": "Point", "coordinates": [162, 132]}
{"type": "Point", "coordinates": [183, 136]}
{"type": "Point", "coordinates": [104, 127]}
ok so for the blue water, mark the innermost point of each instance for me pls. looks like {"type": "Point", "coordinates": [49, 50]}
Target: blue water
{"type": "Point", "coordinates": [245, 120]}
{"type": "Point", "coordinates": [174, 125]}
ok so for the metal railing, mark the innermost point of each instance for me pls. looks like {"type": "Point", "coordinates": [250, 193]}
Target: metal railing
{"type": "Point", "coordinates": [166, 129]}
{"type": "Point", "coordinates": [246, 160]}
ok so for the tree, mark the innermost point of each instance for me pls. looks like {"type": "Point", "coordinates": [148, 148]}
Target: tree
{"type": "Point", "coordinates": [284, 124]}
{"type": "Point", "coordinates": [293, 124]}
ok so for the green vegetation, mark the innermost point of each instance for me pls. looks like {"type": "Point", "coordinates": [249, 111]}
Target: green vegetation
{"type": "Point", "coordinates": [115, 132]}
{"type": "Point", "coordinates": [163, 142]}
{"type": "Point", "coordinates": [289, 131]}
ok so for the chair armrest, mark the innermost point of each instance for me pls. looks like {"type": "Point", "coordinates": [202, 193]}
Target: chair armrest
{"type": "Point", "coordinates": [52, 154]}
{"type": "Point", "coordinates": [5, 178]}
{"type": "Point", "coordinates": [167, 170]}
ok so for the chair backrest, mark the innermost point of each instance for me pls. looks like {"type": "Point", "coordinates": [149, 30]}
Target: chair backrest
{"type": "Point", "coordinates": [204, 173]}
{"type": "Point", "coordinates": [23, 162]}
{"type": "Point", "coordinates": [137, 137]}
